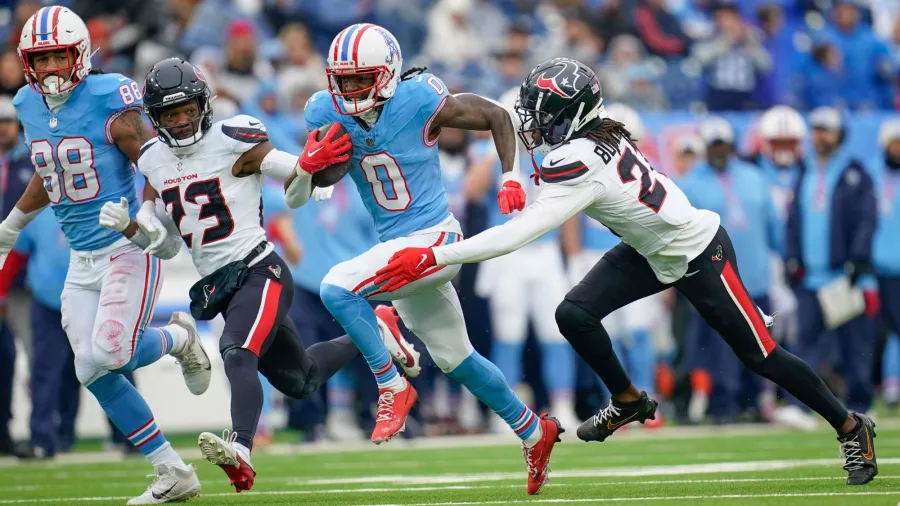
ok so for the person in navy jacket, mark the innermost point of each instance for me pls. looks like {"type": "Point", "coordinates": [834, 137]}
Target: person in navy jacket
{"type": "Point", "coordinates": [886, 251]}
{"type": "Point", "coordinates": [829, 234]}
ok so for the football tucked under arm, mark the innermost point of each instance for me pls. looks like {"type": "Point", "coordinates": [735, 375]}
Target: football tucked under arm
{"type": "Point", "coordinates": [555, 205]}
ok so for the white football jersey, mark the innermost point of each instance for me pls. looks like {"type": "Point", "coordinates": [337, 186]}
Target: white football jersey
{"type": "Point", "coordinates": [219, 215]}
{"type": "Point", "coordinates": [616, 187]}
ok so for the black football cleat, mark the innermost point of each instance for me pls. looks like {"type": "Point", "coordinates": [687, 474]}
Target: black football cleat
{"type": "Point", "coordinates": [858, 449]}
{"type": "Point", "coordinates": [609, 419]}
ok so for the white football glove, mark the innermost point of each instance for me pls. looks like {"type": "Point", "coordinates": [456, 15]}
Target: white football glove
{"type": "Point", "coordinates": [7, 241]}
{"type": "Point", "coordinates": [321, 194]}
{"type": "Point", "coordinates": [114, 215]}
{"type": "Point", "coordinates": [152, 227]}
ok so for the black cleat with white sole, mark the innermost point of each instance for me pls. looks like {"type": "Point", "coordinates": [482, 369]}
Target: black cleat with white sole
{"type": "Point", "coordinates": [858, 450]}
{"type": "Point", "coordinates": [615, 415]}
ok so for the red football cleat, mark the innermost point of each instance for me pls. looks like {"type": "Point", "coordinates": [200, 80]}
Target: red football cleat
{"type": "Point", "coordinates": [221, 452]}
{"type": "Point", "coordinates": [393, 408]}
{"type": "Point", "coordinates": [401, 350]}
{"type": "Point", "coordinates": [537, 457]}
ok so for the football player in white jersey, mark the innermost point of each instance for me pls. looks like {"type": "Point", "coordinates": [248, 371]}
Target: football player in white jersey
{"type": "Point", "coordinates": [593, 166]}
{"type": "Point", "coordinates": [209, 177]}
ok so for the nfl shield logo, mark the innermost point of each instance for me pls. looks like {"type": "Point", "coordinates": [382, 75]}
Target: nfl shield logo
{"type": "Point", "coordinates": [53, 122]}
{"type": "Point", "coordinates": [369, 142]}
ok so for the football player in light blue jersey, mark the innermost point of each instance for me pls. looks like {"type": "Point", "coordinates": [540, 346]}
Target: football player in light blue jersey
{"type": "Point", "coordinates": [84, 129]}
{"type": "Point", "coordinates": [393, 121]}
{"type": "Point", "coordinates": [518, 293]}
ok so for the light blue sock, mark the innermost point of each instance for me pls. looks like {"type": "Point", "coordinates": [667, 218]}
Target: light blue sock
{"type": "Point", "coordinates": [128, 411]}
{"type": "Point", "coordinates": [152, 345]}
{"type": "Point", "coordinates": [485, 381]}
{"type": "Point", "coordinates": [558, 368]}
{"type": "Point", "coordinates": [642, 361]}
{"type": "Point", "coordinates": [508, 358]}
{"type": "Point", "coordinates": [358, 319]}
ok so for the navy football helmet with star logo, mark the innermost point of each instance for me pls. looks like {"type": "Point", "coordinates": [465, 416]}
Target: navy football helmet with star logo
{"type": "Point", "coordinates": [561, 99]}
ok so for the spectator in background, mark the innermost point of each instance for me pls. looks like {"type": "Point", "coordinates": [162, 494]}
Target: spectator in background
{"type": "Point", "coordinates": [451, 39]}
{"type": "Point", "coordinates": [511, 67]}
{"type": "Point", "coordinates": [733, 62]}
{"type": "Point", "coordinates": [739, 193]}
{"type": "Point", "coordinates": [777, 35]}
{"type": "Point", "coordinates": [886, 249]}
{"type": "Point", "coordinates": [625, 51]}
{"type": "Point", "coordinates": [15, 172]}
{"type": "Point", "coordinates": [659, 29]}
{"type": "Point", "coordinates": [868, 74]}
{"type": "Point", "coordinates": [822, 78]}
{"type": "Point", "coordinates": [242, 70]}
{"type": "Point", "coordinates": [688, 150]}
{"type": "Point", "coordinates": [55, 389]}
{"type": "Point", "coordinates": [614, 19]}
{"type": "Point", "coordinates": [581, 42]}
{"type": "Point", "coordinates": [645, 91]}
{"type": "Point", "coordinates": [11, 77]}
{"type": "Point", "coordinates": [302, 65]}
{"type": "Point", "coordinates": [829, 241]}
{"type": "Point", "coordinates": [281, 127]}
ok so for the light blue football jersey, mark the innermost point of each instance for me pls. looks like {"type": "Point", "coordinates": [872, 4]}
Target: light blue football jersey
{"type": "Point", "coordinates": [395, 164]}
{"type": "Point", "coordinates": [73, 151]}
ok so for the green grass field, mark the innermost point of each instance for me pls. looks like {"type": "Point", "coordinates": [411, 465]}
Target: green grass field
{"type": "Point", "coordinates": [712, 466]}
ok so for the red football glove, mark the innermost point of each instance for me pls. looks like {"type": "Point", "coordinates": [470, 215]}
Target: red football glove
{"type": "Point", "coordinates": [319, 154]}
{"type": "Point", "coordinates": [873, 303]}
{"type": "Point", "coordinates": [406, 266]}
{"type": "Point", "coordinates": [511, 197]}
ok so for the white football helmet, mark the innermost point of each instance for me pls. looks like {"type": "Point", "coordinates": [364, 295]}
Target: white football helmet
{"type": "Point", "coordinates": [363, 49]}
{"type": "Point", "coordinates": [628, 117]}
{"type": "Point", "coordinates": [782, 132]}
{"type": "Point", "coordinates": [55, 28]}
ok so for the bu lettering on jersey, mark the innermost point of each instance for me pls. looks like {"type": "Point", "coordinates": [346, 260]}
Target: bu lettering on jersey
{"type": "Point", "coordinates": [395, 164]}
{"type": "Point", "coordinates": [219, 215]}
{"type": "Point", "coordinates": [73, 151]}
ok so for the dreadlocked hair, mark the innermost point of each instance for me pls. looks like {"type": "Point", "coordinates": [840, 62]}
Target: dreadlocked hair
{"type": "Point", "coordinates": [413, 72]}
{"type": "Point", "coordinates": [609, 132]}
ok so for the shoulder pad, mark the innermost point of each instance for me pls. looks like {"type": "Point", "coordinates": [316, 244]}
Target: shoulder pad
{"type": "Point", "coordinates": [563, 164]}
{"type": "Point", "coordinates": [245, 128]}
{"type": "Point", "coordinates": [115, 91]}
{"type": "Point", "coordinates": [319, 110]}
{"type": "Point", "coordinates": [21, 95]}
{"type": "Point", "coordinates": [146, 147]}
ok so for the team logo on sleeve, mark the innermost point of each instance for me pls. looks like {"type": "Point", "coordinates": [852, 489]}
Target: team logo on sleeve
{"type": "Point", "coordinates": [276, 270]}
{"type": "Point", "coordinates": [208, 290]}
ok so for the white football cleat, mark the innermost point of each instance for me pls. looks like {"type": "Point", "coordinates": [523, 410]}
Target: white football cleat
{"type": "Point", "coordinates": [170, 484]}
{"type": "Point", "coordinates": [403, 352]}
{"type": "Point", "coordinates": [193, 358]}
{"type": "Point", "coordinates": [222, 452]}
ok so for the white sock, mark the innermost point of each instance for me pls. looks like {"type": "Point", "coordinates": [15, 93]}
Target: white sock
{"type": "Point", "coordinates": [535, 436]}
{"type": "Point", "coordinates": [165, 454]}
{"type": "Point", "coordinates": [180, 338]}
{"type": "Point", "coordinates": [398, 384]}
{"type": "Point", "coordinates": [243, 451]}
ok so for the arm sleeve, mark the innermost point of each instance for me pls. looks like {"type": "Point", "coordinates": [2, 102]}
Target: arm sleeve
{"type": "Point", "coordinates": [555, 205]}
{"type": "Point", "coordinates": [431, 94]}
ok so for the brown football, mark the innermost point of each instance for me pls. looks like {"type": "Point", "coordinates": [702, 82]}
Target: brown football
{"type": "Point", "coordinates": [333, 173]}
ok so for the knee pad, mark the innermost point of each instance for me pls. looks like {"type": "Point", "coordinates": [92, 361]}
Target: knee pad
{"type": "Point", "coordinates": [572, 320]}
{"type": "Point", "coordinates": [234, 358]}
{"type": "Point", "coordinates": [111, 345]}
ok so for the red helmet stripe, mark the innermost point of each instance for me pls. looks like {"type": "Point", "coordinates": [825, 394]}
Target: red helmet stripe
{"type": "Point", "coordinates": [359, 34]}
{"type": "Point", "coordinates": [34, 26]}
{"type": "Point", "coordinates": [337, 43]}
{"type": "Point", "coordinates": [54, 21]}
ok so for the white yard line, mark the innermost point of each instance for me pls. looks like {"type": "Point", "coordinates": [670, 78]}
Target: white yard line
{"type": "Point", "coordinates": [450, 442]}
{"type": "Point", "coordinates": [596, 500]}
{"type": "Point", "coordinates": [454, 482]}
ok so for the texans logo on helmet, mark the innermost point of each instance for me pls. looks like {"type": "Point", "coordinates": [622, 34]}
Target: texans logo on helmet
{"type": "Point", "coordinates": [199, 74]}
{"type": "Point", "coordinates": [563, 82]}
